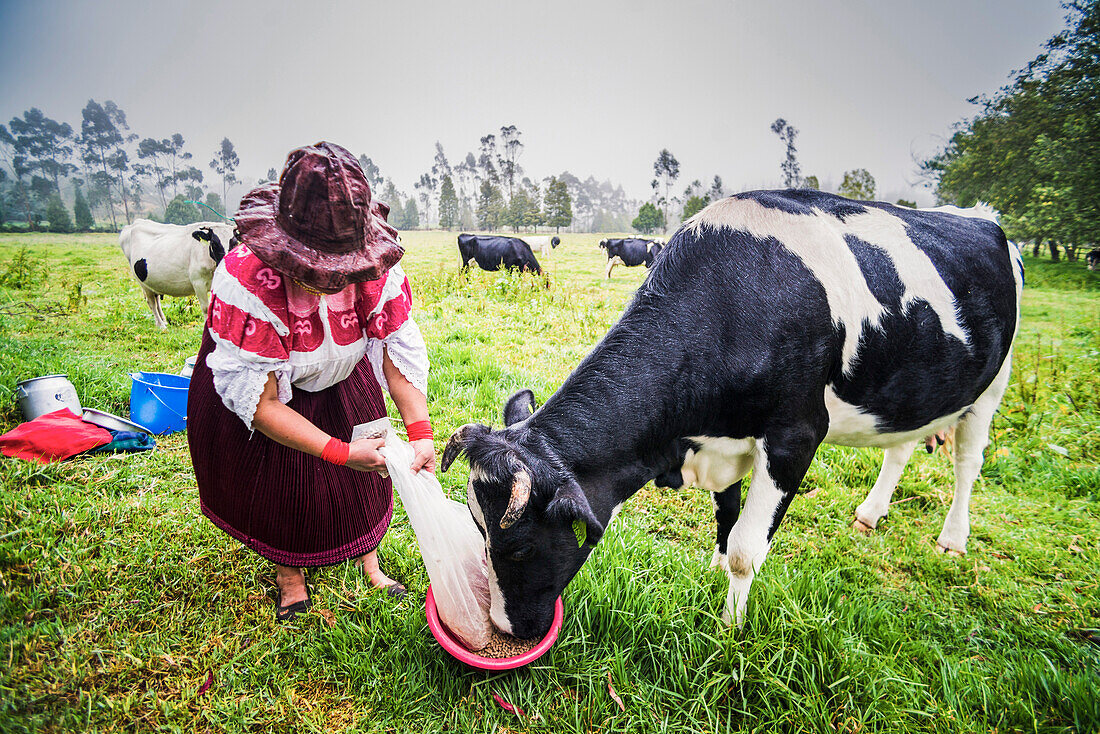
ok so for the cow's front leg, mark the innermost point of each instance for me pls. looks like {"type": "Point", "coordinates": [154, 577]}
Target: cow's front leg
{"type": "Point", "coordinates": [877, 504]}
{"type": "Point", "coordinates": [727, 504]}
{"type": "Point", "coordinates": [779, 466]}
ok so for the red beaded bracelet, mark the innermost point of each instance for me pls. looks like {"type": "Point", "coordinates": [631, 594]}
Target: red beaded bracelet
{"type": "Point", "coordinates": [336, 452]}
{"type": "Point", "coordinates": [419, 430]}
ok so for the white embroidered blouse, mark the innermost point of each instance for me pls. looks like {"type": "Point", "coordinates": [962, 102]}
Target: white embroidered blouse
{"type": "Point", "coordinates": [263, 322]}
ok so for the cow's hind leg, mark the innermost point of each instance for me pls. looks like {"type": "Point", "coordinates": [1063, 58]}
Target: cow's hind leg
{"type": "Point", "coordinates": [153, 299]}
{"type": "Point", "coordinates": [727, 504]}
{"type": "Point", "coordinates": [971, 438]}
{"type": "Point", "coordinates": [611, 263]}
{"type": "Point", "coordinates": [780, 463]}
{"type": "Point", "coordinates": [877, 504]}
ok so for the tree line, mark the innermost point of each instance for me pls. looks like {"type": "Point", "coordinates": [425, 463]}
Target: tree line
{"type": "Point", "coordinates": [111, 176]}
{"type": "Point", "coordinates": [1033, 149]}
{"type": "Point", "coordinates": [488, 191]}
{"type": "Point", "coordinates": [653, 215]}
{"type": "Point", "coordinates": [113, 172]}
{"type": "Point", "coordinates": [114, 175]}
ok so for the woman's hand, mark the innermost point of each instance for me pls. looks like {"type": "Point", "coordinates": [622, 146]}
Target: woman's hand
{"type": "Point", "coordinates": [424, 457]}
{"type": "Point", "coordinates": [363, 455]}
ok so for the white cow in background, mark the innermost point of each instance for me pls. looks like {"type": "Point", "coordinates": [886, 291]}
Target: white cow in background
{"type": "Point", "coordinates": [543, 243]}
{"type": "Point", "coordinates": [175, 260]}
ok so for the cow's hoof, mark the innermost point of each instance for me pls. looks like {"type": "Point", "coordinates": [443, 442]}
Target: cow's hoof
{"type": "Point", "coordinates": [862, 527]}
{"type": "Point", "coordinates": [719, 561]}
{"type": "Point", "coordinates": [949, 551]}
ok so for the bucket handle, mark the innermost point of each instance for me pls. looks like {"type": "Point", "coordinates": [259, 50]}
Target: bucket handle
{"type": "Point", "coordinates": [166, 405]}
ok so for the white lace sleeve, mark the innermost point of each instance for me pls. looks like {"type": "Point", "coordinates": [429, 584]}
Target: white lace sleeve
{"type": "Point", "coordinates": [239, 384]}
{"type": "Point", "coordinates": [408, 353]}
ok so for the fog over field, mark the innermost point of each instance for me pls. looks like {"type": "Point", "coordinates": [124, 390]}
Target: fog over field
{"type": "Point", "coordinates": [597, 88]}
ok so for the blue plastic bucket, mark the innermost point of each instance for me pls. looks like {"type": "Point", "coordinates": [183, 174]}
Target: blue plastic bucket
{"type": "Point", "coordinates": [158, 401]}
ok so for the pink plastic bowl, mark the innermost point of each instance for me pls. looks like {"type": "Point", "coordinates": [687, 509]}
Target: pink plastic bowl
{"type": "Point", "coordinates": [459, 651]}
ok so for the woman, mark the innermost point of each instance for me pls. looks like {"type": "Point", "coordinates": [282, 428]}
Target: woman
{"type": "Point", "coordinates": [308, 322]}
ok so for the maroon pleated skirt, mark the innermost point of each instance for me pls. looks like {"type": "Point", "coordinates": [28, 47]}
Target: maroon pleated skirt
{"type": "Point", "coordinates": [292, 508]}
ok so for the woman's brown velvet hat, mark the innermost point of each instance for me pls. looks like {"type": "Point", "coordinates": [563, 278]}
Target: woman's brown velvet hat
{"type": "Point", "coordinates": [318, 225]}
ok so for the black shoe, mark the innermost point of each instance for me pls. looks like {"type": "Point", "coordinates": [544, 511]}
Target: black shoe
{"type": "Point", "coordinates": [290, 611]}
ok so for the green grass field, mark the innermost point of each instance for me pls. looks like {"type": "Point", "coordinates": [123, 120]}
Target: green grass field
{"type": "Point", "coordinates": [120, 602]}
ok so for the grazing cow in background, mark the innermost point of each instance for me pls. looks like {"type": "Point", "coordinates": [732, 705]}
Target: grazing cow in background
{"type": "Point", "coordinates": [175, 260]}
{"type": "Point", "coordinates": [497, 253]}
{"type": "Point", "coordinates": [543, 243]}
{"type": "Point", "coordinates": [784, 319]}
{"type": "Point", "coordinates": [630, 251]}
{"type": "Point", "coordinates": [1093, 259]}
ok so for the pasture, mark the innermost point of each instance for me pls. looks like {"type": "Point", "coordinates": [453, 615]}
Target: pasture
{"type": "Point", "coordinates": [123, 609]}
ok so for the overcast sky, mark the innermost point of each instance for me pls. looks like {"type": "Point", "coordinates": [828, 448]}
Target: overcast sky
{"type": "Point", "coordinates": [596, 87]}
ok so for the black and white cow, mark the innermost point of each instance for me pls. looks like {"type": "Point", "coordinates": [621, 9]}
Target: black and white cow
{"type": "Point", "coordinates": [175, 260]}
{"type": "Point", "coordinates": [784, 319]}
{"type": "Point", "coordinates": [497, 253]}
{"type": "Point", "coordinates": [543, 243]}
{"type": "Point", "coordinates": [630, 251]}
{"type": "Point", "coordinates": [1092, 260]}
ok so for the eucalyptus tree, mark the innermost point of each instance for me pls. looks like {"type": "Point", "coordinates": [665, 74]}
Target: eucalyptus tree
{"type": "Point", "coordinates": [790, 168]}
{"type": "Point", "coordinates": [511, 148]}
{"type": "Point", "coordinates": [225, 164]}
{"type": "Point", "coordinates": [103, 141]}
{"type": "Point", "coordinates": [666, 169]}
{"type": "Point", "coordinates": [18, 165]}
{"type": "Point", "coordinates": [46, 144]}
{"type": "Point", "coordinates": [370, 170]}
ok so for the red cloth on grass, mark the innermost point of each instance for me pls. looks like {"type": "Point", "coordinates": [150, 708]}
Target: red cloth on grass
{"type": "Point", "coordinates": [53, 437]}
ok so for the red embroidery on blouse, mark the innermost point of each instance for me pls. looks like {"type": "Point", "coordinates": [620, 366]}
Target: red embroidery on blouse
{"type": "Point", "coordinates": [348, 311]}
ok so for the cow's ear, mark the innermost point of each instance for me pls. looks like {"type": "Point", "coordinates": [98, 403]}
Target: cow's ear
{"type": "Point", "coordinates": [203, 234]}
{"type": "Point", "coordinates": [459, 442]}
{"type": "Point", "coordinates": [519, 407]}
{"type": "Point", "coordinates": [570, 506]}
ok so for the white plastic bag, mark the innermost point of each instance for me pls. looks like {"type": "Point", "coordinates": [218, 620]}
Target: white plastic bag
{"type": "Point", "coordinates": [452, 546]}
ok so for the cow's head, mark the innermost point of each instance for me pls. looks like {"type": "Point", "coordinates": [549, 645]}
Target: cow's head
{"type": "Point", "coordinates": [555, 241]}
{"type": "Point", "coordinates": [603, 244]}
{"type": "Point", "coordinates": [537, 522]}
{"type": "Point", "coordinates": [467, 245]}
{"type": "Point", "coordinates": [206, 234]}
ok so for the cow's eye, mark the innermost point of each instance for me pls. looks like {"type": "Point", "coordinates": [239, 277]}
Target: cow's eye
{"type": "Point", "coordinates": [522, 554]}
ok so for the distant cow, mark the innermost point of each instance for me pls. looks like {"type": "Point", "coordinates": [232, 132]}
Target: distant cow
{"type": "Point", "coordinates": [175, 260]}
{"type": "Point", "coordinates": [543, 243]}
{"type": "Point", "coordinates": [497, 253]}
{"type": "Point", "coordinates": [1093, 259]}
{"type": "Point", "coordinates": [630, 251]}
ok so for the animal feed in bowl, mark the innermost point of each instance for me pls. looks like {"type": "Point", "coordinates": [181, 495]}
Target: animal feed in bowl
{"type": "Point", "coordinates": [505, 646]}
